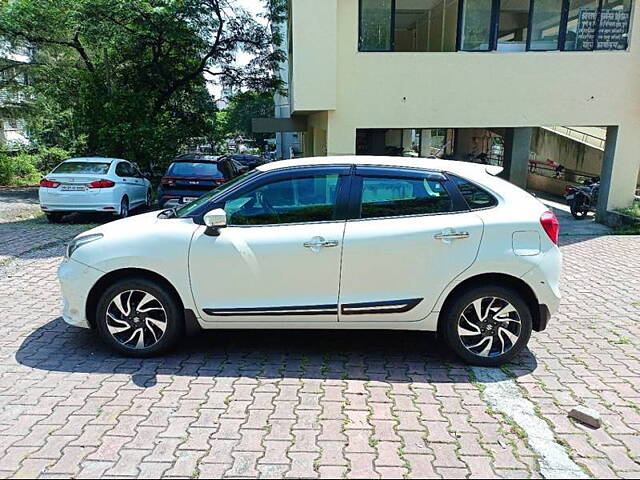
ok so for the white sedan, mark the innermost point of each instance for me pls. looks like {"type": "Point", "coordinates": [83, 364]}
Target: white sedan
{"type": "Point", "coordinates": [338, 243]}
{"type": "Point", "coordinates": [93, 184]}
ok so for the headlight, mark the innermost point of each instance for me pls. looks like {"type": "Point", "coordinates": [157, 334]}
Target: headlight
{"type": "Point", "coordinates": [79, 241]}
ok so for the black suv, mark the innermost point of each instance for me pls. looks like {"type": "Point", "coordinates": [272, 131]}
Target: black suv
{"type": "Point", "coordinates": [191, 175]}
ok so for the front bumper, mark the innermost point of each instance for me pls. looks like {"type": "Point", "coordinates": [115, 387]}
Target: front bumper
{"type": "Point", "coordinates": [76, 280]}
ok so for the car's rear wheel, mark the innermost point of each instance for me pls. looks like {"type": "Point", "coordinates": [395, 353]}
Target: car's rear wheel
{"type": "Point", "coordinates": [139, 318]}
{"type": "Point", "coordinates": [488, 325]}
{"type": "Point", "coordinates": [124, 208]}
{"type": "Point", "coordinates": [54, 217]}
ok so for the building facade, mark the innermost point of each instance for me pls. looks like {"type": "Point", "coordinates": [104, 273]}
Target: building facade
{"type": "Point", "coordinates": [417, 76]}
{"type": "Point", "coordinates": [13, 79]}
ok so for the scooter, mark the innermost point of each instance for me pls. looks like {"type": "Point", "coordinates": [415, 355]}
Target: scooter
{"type": "Point", "coordinates": [583, 200]}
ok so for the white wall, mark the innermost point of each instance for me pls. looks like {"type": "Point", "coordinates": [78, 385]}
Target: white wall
{"type": "Point", "coordinates": [462, 89]}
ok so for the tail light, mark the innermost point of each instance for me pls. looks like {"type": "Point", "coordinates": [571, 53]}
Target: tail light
{"type": "Point", "coordinates": [551, 225]}
{"type": "Point", "coordinates": [168, 181]}
{"type": "Point", "coordinates": [48, 183]}
{"type": "Point", "coordinates": [218, 181]}
{"type": "Point", "coordinates": [570, 189]}
{"type": "Point", "coordinates": [102, 184]}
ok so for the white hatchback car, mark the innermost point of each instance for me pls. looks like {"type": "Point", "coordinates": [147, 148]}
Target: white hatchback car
{"type": "Point", "coordinates": [332, 243]}
{"type": "Point", "coordinates": [93, 184]}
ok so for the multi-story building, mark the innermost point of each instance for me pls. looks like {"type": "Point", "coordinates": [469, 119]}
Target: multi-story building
{"type": "Point", "coordinates": [13, 77]}
{"type": "Point", "coordinates": [463, 77]}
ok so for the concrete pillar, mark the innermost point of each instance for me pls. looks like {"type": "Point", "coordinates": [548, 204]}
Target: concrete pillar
{"type": "Point", "coordinates": [517, 146]}
{"type": "Point", "coordinates": [341, 137]}
{"type": "Point", "coordinates": [620, 165]}
{"type": "Point", "coordinates": [425, 142]}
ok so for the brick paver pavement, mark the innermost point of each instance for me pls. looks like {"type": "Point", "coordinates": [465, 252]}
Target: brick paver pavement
{"type": "Point", "coordinates": [314, 404]}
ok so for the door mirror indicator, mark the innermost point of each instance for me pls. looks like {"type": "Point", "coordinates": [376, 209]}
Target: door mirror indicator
{"type": "Point", "coordinates": [214, 221]}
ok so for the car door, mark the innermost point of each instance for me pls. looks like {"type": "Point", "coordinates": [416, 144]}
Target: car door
{"type": "Point", "coordinates": [126, 179]}
{"type": "Point", "coordinates": [410, 233]}
{"type": "Point", "coordinates": [140, 184]}
{"type": "Point", "coordinates": [279, 257]}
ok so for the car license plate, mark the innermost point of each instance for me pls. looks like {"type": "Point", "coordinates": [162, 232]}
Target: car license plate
{"type": "Point", "coordinates": [73, 188]}
{"type": "Point", "coordinates": [570, 198]}
{"type": "Point", "coordinates": [188, 199]}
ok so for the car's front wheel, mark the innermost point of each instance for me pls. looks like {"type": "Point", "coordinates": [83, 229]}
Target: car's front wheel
{"type": "Point", "coordinates": [139, 318]}
{"type": "Point", "coordinates": [488, 325]}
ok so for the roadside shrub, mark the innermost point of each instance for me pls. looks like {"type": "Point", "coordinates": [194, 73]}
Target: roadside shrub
{"type": "Point", "coordinates": [50, 157]}
{"type": "Point", "coordinates": [17, 170]}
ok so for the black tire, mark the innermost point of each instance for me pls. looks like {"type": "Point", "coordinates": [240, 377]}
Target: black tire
{"type": "Point", "coordinates": [54, 217]}
{"type": "Point", "coordinates": [461, 305]}
{"type": "Point", "coordinates": [149, 200]}
{"type": "Point", "coordinates": [578, 210]}
{"type": "Point", "coordinates": [124, 207]}
{"type": "Point", "coordinates": [158, 341]}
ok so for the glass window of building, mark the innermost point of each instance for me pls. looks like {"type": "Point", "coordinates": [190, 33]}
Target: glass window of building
{"type": "Point", "coordinates": [425, 25]}
{"type": "Point", "coordinates": [513, 25]}
{"type": "Point", "coordinates": [581, 25]}
{"type": "Point", "coordinates": [546, 18]}
{"type": "Point", "coordinates": [613, 26]}
{"type": "Point", "coordinates": [375, 25]}
{"type": "Point", "coordinates": [475, 28]}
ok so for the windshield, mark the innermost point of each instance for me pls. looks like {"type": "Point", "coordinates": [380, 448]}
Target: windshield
{"type": "Point", "coordinates": [193, 206]}
{"type": "Point", "coordinates": [91, 168]}
{"type": "Point", "coordinates": [195, 169]}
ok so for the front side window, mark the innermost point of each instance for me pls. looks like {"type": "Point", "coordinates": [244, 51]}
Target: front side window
{"type": "Point", "coordinates": [375, 25]}
{"type": "Point", "coordinates": [291, 200]}
{"type": "Point", "coordinates": [396, 197]}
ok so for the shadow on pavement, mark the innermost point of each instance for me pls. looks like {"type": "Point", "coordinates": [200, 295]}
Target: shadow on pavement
{"type": "Point", "coordinates": [386, 356]}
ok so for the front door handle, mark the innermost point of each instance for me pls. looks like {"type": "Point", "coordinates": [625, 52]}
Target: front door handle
{"type": "Point", "coordinates": [448, 236]}
{"type": "Point", "coordinates": [318, 243]}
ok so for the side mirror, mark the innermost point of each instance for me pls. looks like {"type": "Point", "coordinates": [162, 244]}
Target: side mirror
{"type": "Point", "coordinates": [214, 221]}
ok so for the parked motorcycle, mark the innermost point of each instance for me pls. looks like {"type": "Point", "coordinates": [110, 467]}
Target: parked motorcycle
{"type": "Point", "coordinates": [583, 200]}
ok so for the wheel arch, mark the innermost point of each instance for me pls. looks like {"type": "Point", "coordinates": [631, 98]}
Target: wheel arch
{"type": "Point", "coordinates": [499, 279]}
{"type": "Point", "coordinates": [103, 283]}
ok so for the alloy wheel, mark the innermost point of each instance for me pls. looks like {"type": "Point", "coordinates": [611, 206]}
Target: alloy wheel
{"type": "Point", "coordinates": [136, 319]}
{"type": "Point", "coordinates": [124, 208]}
{"type": "Point", "coordinates": [489, 327]}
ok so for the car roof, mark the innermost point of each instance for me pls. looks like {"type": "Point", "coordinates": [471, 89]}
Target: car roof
{"type": "Point", "coordinates": [95, 160]}
{"type": "Point", "coordinates": [196, 157]}
{"type": "Point", "coordinates": [433, 164]}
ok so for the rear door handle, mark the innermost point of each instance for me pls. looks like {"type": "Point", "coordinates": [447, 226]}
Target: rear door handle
{"type": "Point", "coordinates": [318, 243]}
{"type": "Point", "coordinates": [447, 236]}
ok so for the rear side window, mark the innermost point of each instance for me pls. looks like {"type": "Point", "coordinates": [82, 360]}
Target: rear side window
{"type": "Point", "coordinates": [195, 169]}
{"type": "Point", "coordinates": [90, 168]}
{"type": "Point", "coordinates": [475, 196]}
{"type": "Point", "coordinates": [395, 197]}
{"type": "Point", "coordinates": [124, 170]}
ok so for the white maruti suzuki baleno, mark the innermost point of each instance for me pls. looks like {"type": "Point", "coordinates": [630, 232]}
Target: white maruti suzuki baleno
{"type": "Point", "coordinates": [332, 243]}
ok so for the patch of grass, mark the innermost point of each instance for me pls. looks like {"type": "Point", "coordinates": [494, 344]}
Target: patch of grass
{"type": "Point", "coordinates": [627, 230]}
{"type": "Point", "coordinates": [633, 210]}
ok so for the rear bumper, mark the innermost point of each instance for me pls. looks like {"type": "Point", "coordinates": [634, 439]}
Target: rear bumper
{"type": "Point", "coordinates": [544, 280]}
{"type": "Point", "coordinates": [99, 201]}
{"type": "Point", "coordinates": [99, 207]}
{"type": "Point", "coordinates": [174, 197]}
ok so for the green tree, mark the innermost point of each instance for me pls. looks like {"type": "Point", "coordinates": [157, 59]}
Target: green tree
{"type": "Point", "coordinates": [245, 106]}
{"type": "Point", "coordinates": [129, 77]}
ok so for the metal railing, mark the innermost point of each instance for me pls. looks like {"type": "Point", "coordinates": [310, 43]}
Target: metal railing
{"type": "Point", "coordinates": [579, 135]}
